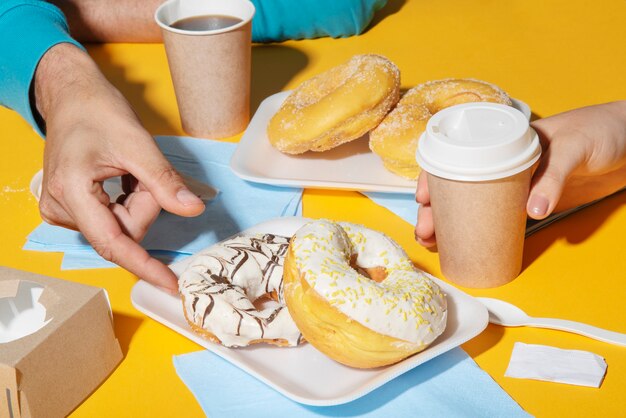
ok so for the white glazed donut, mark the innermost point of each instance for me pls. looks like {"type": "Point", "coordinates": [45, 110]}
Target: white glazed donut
{"type": "Point", "coordinates": [357, 320]}
{"type": "Point", "coordinates": [220, 285]}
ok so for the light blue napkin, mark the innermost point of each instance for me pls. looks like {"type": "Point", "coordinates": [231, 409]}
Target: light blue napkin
{"type": "Point", "coordinates": [89, 259]}
{"type": "Point", "coordinates": [239, 205]}
{"type": "Point", "coordinates": [451, 385]}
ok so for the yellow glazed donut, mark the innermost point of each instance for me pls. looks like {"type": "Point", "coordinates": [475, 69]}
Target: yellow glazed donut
{"type": "Point", "coordinates": [337, 106]}
{"type": "Point", "coordinates": [395, 139]}
{"type": "Point", "coordinates": [220, 285]}
{"type": "Point", "coordinates": [357, 320]}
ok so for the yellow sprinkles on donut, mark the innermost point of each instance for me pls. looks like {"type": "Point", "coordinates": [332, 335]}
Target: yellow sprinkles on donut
{"type": "Point", "coordinates": [368, 279]}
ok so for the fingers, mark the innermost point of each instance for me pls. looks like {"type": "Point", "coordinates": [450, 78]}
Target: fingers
{"type": "Point", "coordinates": [81, 206]}
{"type": "Point", "coordinates": [425, 228]}
{"type": "Point", "coordinates": [156, 174]}
{"type": "Point", "coordinates": [99, 225]}
{"type": "Point", "coordinates": [53, 213]}
{"type": "Point", "coordinates": [421, 194]}
{"type": "Point", "coordinates": [135, 215]}
{"type": "Point", "coordinates": [50, 202]}
{"type": "Point", "coordinates": [557, 164]}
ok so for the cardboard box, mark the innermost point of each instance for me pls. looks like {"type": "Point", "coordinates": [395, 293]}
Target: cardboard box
{"type": "Point", "coordinates": [56, 344]}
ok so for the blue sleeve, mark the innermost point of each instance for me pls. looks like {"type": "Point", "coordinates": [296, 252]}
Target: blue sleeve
{"type": "Point", "coordinates": [28, 28]}
{"type": "Point", "coordinates": [278, 20]}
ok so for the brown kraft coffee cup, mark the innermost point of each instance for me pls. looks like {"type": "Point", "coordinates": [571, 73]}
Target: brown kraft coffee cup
{"type": "Point", "coordinates": [210, 68]}
{"type": "Point", "coordinates": [479, 159]}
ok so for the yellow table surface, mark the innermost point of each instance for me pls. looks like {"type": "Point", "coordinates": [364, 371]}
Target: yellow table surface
{"type": "Point", "coordinates": [554, 55]}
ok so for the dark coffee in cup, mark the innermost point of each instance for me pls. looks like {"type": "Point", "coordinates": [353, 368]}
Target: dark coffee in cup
{"type": "Point", "coordinates": [206, 22]}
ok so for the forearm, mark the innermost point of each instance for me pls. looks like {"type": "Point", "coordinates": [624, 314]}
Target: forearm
{"type": "Point", "coordinates": [111, 20]}
{"type": "Point", "coordinates": [66, 79]}
{"type": "Point", "coordinates": [619, 107]}
{"type": "Point", "coordinates": [62, 71]}
{"type": "Point", "coordinates": [28, 29]}
{"type": "Point", "coordinates": [275, 20]}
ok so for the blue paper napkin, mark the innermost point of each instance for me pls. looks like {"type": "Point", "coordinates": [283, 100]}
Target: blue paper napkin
{"type": "Point", "coordinates": [239, 205]}
{"type": "Point", "coordinates": [451, 385]}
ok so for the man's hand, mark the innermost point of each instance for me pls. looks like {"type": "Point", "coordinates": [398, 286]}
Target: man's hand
{"type": "Point", "coordinates": [92, 135]}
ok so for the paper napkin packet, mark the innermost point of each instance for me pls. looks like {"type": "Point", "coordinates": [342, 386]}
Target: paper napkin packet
{"type": "Point", "coordinates": [550, 364]}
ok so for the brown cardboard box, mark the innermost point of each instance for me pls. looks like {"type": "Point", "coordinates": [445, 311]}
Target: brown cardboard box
{"type": "Point", "coordinates": [51, 361]}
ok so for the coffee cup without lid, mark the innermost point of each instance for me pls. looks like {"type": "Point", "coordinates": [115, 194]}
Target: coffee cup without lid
{"type": "Point", "coordinates": [210, 69]}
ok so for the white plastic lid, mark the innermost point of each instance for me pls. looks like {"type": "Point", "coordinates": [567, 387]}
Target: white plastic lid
{"type": "Point", "coordinates": [478, 142]}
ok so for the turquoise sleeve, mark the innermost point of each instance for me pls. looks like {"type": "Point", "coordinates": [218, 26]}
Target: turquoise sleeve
{"type": "Point", "coordinates": [28, 28]}
{"type": "Point", "coordinates": [278, 20]}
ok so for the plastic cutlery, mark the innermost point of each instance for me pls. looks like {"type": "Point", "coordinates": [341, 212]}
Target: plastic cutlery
{"type": "Point", "coordinates": [504, 313]}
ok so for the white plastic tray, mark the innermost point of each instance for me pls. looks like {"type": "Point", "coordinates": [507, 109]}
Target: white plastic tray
{"type": "Point", "coordinates": [351, 166]}
{"type": "Point", "coordinates": [302, 373]}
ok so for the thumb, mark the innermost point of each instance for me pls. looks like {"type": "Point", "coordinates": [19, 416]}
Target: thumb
{"type": "Point", "coordinates": [558, 162]}
{"type": "Point", "coordinates": [165, 184]}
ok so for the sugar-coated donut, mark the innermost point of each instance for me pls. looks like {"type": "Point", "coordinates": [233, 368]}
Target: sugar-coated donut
{"type": "Point", "coordinates": [395, 139]}
{"type": "Point", "coordinates": [357, 320]}
{"type": "Point", "coordinates": [220, 285]}
{"type": "Point", "coordinates": [337, 106]}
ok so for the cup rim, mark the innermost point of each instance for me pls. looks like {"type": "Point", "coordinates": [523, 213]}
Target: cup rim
{"type": "Point", "coordinates": [430, 141]}
{"type": "Point", "coordinates": [251, 11]}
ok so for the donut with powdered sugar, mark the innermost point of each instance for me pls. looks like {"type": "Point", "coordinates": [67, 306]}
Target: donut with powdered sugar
{"type": "Point", "coordinates": [395, 139]}
{"type": "Point", "coordinates": [336, 106]}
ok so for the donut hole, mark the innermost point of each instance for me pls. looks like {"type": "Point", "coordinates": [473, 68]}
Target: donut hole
{"type": "Point", "coordinates": [377, 274]}
{"type": "Point", "coordinates": [268, 300]}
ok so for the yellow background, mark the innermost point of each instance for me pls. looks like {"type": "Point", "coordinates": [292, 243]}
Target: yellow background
{"type": "Point", "coordinates": [554, 55]}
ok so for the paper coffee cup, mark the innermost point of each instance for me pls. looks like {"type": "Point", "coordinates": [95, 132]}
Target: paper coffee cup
{"type": "Point", "coordinates": [210, 69]}
{"type": "Point", "coordinates": [479, 158]}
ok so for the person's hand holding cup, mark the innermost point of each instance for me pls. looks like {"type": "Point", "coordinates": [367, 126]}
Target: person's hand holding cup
{"type": "Point", "coordinates": [478, 160]}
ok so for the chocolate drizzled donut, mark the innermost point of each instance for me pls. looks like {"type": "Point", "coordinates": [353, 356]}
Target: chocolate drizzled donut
{"type": "Point", "coordinates": [222, 283]}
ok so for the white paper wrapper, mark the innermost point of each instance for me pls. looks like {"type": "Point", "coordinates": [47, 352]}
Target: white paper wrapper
{"type": "Point", "coordinates": [550, 364]}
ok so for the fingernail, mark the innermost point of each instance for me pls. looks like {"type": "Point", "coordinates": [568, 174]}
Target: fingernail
{"type": "Point", "coordinates": [538, 205]}
{"type": "Point", "coordinates": [185, 197]}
